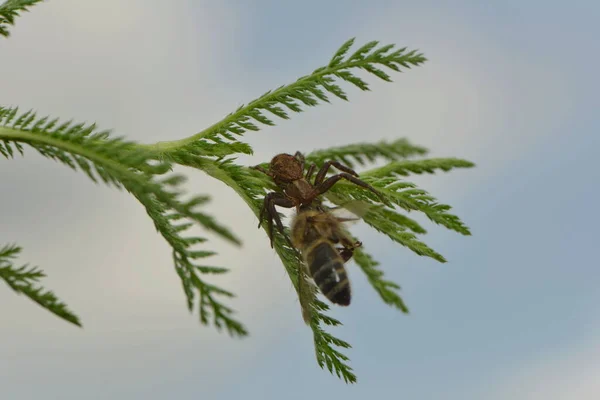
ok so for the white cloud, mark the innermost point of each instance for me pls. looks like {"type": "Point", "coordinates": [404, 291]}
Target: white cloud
{"type": "Point", "coordinates": [142, 68]}
{"type": "Point", "coordinates": [156, 72]}
{"type": "Point", "coordinates": [473, 99]}
{"type": "Point", "coordinates": [146, 70]}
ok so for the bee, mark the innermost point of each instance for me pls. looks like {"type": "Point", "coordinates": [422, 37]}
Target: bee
{"type": "Point", "coordinates": [315, 232]}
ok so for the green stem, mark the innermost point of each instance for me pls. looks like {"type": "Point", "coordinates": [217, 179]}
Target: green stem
{"type": "Point", "coordinates": [30, 137]}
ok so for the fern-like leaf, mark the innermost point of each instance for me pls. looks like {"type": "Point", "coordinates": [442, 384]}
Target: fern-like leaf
{"type": "Point", "coordinates": [410, 198]}
{"type": "Point", "coordinates": [392, 224]}
{"type": "Point", "coordinates": [326, 353]}
{"type": "Point", "coordinates": [308, 90]}
{"type": "Point", "coordinates": [126, 165]}
{"type": "Point", "coordinates": [405, 194]}
{"type": "Point", "coordinates": [251, 185]}
{"type": "Point", "coordinates": [140, 170]}
{"type": "Point", "coordinates": [387, 290]}
{"type": "Point", "coordinates": [190, 272]}
{"type": "Point", "coordinates": [10, 9]}
{"type": "Point", "coordinates": [363, 153]}
{"type": "Point", "coordinates": [23, 280]}
{"type": "Point", "coordinates": [405, 168]}
{"type": "Point", "coordinates": [117, 162]}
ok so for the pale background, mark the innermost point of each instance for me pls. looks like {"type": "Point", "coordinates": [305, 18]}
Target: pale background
{"type": "Point", "coordinates": [510, 85]}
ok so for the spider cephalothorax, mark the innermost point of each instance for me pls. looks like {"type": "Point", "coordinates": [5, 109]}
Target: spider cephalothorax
{"type": "Point", "coordinates": [287, 172]}
{"type": "Point", "coordinates": [286, 168]}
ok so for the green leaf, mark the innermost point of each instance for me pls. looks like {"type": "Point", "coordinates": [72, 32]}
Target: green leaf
{"type": "Point", "coordinates": [23, 281]}
{"type": "Point", "coordinates": [309, 90]}
{"type": "Point", "coordinates": [116, 162]}
{"type": "Point", "coordinates": [145, 172]}
{"type": "Point", "coordinates": [251, 185]}
{"type": "Point", "coordinates": [340, 53]}
{"type": "Point", "coordinates": [126, 165]}
{"type": "Point", "coordinates": [405, 168]}
{"type": "Point", "coordinates": [387, 290]}
{"type": "Point", "coordinates": [363, 153]}
{"type": "Point", "coordinates": [391, 224]}
{"type": "Point", "coordinates": [10, 9]}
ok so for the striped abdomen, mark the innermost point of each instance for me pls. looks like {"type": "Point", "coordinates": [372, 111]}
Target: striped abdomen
{"type": "Point", "coordinates": [327, 269]}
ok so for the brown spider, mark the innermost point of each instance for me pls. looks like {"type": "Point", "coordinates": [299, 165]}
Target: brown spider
{"type": "Point", "coordinates": [287, 172]}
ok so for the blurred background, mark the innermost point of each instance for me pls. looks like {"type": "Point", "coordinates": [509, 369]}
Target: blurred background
{"type": "Point", "coordinates": [509, 85]}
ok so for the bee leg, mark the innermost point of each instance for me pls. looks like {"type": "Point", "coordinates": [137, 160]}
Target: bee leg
{"type": "Point", "coordinates": [325, 168]}
{"type": "Point", "coordinates": [345, 253]}
{"type": "Point", "coordinates": [329, 182]}
{"type": "Point", "coordinates": [349, 244]}
{"type": "Point", "coordinates": [348, 250]}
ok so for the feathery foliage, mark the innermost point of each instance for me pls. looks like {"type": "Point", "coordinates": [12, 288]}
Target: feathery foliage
{"type": "Point", "coordinates": [9, 10]}
{"type": "Point", "coordinates": [309, 91]}
{"type": "Point", "coordinates": [364, 153]}
{"type": "Point", "coordinates": [251, 185]}
{"type": "Point", "coordinates": [141, 169]}
{"type": "Point", "coordinates": [23, 280]}
{"type": "Point", "coordinates": [387, 289]}
{"type": "Point", "coordinates": [405, 168]}
{"type": "Point", "coordinates": [387, 220]}
{"type": "Point", "coordinates": [325, 344]}
{"type": "Point", "coordinates": [128, 166]}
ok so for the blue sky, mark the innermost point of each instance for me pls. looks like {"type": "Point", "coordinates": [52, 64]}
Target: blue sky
{"type": "Point", "coordinates": [509, 86]}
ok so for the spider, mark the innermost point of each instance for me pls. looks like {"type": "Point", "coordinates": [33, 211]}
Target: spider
{"type": "Point", "coordinates": [287, 172]}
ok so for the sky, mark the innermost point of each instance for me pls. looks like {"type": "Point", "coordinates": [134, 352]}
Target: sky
{"type": "Point", "coordinates": [509, 85]}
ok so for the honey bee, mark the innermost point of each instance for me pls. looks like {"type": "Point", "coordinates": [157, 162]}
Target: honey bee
{"type": "Point", "coordinates": [315, 233]}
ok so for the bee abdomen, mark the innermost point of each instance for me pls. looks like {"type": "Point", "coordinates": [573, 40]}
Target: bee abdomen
{"type": "Point", "coordinates": [327, 269]}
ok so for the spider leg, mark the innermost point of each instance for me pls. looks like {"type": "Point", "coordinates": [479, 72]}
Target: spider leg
{"type": "Point", "coordinates": [270, 227]}
{"type": "Point", "coordinates": [263, 210]}
{"type": "Point", "coordinates": [276, 199]}
{"type": "Point", "coordinates": [300, 157]}
{"type": "Point", "coordinates": [310, 172]}
{"type": "Point", "coordinates": [325, 168]}
{"type": "Point", "coordinates": [264, 171]}
{"type": "Point", "coordinates": [329, 182]}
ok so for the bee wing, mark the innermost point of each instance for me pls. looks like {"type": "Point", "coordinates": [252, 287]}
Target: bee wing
{"type": "Point", "coordinates": [351, 211]}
